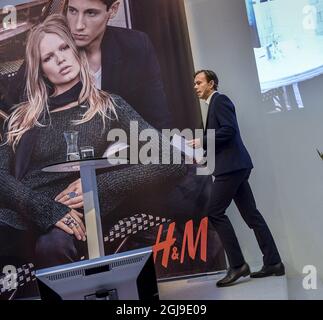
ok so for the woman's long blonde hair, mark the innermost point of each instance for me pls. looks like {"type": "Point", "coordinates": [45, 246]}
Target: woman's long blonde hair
{"type": "Point", "coordinates": [28, 114]}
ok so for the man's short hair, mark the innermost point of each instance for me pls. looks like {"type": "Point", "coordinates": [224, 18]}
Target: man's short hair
{"type": "Point", "coordinates": [210, 75]}
{"type": "Point", "coordinates": [108, 3]}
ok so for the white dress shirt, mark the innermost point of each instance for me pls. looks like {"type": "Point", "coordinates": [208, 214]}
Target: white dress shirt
{"type": "Point", "coordinates": [98, 78]}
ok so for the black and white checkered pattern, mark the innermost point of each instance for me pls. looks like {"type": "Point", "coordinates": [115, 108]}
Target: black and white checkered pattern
{"type": "Point", "coordinates": [25, 274]}
{"type": "Point", "coordinates": [132, 225]}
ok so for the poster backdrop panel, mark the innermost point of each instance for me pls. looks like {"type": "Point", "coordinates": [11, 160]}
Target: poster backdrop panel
{"type": "Point", "coordinates": [151, 67]}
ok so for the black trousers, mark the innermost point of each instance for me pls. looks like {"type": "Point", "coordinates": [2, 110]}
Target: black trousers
{"type": "Point", "coordinates": [235, 186]}
{"type": "Point", "coordinates": [46, 250]}
{"type": "Point", "coordinates": [57, 247]}
{"type": "Point", "coordinates": [16, 246]}
{"type": "Point", "coordinates": [20, 247]}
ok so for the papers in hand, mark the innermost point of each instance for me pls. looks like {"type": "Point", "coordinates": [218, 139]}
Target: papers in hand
{"type": "Point", "coordinates": [181, 144]}
{"type": "Point", "coordinates": [114, 148]}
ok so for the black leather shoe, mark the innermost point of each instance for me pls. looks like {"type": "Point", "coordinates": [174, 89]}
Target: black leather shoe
{"type": "Point", "coordinates": [233, 275]}
{"type": "Point", "coordinates": [271, 270]}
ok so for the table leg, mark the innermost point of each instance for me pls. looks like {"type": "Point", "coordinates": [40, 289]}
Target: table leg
{"type": "Point", "coordinates": [92, 212]}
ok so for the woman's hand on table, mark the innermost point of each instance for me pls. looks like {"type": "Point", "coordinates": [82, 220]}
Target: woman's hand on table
{"type": "Point", "coordinates": [72, 196]}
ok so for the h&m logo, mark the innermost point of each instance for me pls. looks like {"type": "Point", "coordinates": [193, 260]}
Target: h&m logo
{"type": "Point", "coordinates": [189, 242]}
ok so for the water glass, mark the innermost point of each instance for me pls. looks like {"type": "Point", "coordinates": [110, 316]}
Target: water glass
{"type": "Point", "coordinates": [87, 152]}
{"type": "Point", "coordinates": [72, 153]}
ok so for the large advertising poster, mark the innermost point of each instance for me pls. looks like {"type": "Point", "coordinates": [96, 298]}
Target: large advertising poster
{"type": "Point", "coordinates": [146, 60]}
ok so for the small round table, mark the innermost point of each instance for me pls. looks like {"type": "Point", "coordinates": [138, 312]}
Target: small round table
{"type": "Point", "coordinates": [87, 168]}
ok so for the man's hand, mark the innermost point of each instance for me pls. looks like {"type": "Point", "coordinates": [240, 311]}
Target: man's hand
{"type": "Point", "coordinates": [72, 196]}
{"type": "Point", "coordinates": [195, 143]}
{"type": "Point", "coordinates": [72, 223]}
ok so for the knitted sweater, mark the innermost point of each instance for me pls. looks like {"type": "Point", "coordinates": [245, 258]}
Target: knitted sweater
{"type": "Point", "coordinates": [29, 203]}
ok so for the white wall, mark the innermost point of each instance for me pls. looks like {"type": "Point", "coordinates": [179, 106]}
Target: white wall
{"type": "Point", "coordinates": [288, 177]}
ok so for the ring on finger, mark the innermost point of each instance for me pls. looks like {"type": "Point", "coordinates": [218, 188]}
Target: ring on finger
{"type": "Point", "coordinates": [67, 220]}
{"type": "Point", "coordinates": [72, 194]}
{"type": "Point", "coordinates": [70, 222]}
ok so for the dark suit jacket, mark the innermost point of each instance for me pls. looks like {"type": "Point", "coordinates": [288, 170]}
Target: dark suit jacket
{"type": "Point", "coordinates": [230, 152]}
{"type": "Point", "coordinates": [130, 69]}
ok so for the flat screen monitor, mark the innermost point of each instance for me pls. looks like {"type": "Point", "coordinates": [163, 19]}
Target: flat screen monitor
{"type": "Point", "coordinates": [287, 39]}
{"type": "Point", "coordinates": [128, 275]}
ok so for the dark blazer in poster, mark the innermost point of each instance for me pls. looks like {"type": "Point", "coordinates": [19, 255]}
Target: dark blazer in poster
{"type": "Point", "coordinates": [131, 70]}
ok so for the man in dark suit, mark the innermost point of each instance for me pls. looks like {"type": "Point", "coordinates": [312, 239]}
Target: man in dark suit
{"type": "Point", "coordinates": [123, 61]}
{"type": "Point", "coordinates": [232, 169]}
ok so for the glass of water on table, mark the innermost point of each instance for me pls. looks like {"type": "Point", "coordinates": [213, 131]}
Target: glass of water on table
{"type": "Point", "coordinates": [72, 152]}
{"type": "Point", "coordinates": [87, 152]}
